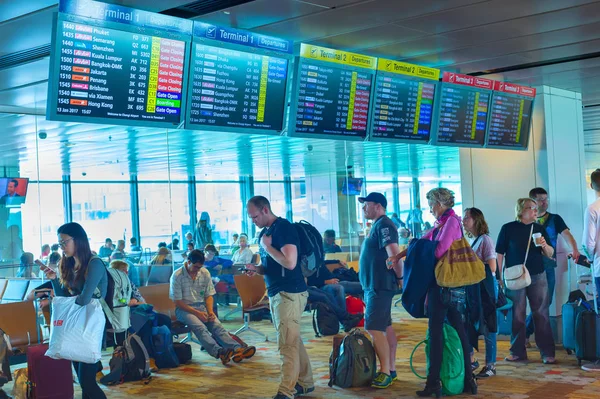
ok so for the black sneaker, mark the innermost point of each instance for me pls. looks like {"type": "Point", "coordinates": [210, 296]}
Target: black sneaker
{"type": "Point", "coordinates": [475, 365]}
{"type": "Point", "coordinates": [303, 391]}
{"type": "Point", "coordinates": [487, 371]}
{"type": "Point", "coordinates": [280, 396]}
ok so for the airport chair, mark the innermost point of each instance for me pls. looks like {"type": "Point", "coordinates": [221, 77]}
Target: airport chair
{"type": "Point", "coordinates": [3, 283]}
{"type": "Point", "coordinates": [15, 290]}
{"type": "Point", "coordinates": [19, 322]}
{"type": "Point", "coordinates": [252, 293]}
{"type": "Point", "coordinates": [353, 265]}
{"type": "Point", "coordinates": [343, 256]}
{"type": "Point", "coordinates": [159, 274]}
{"type": "Point", "coordinates": [33, 284]}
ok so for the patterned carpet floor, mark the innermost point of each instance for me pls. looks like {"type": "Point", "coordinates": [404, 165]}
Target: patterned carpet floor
{"type": "Point", "coordinates": [205, 377]}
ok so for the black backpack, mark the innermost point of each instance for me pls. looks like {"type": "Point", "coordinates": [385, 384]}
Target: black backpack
{"type": "Point", "coordinates": [129, 362]}
{"type": "Point", "coordinates": [310, 251]}
{"type": "Point", "coordinates": [343, 274]}
{"type": "Point", "coordinates": [325, 321]}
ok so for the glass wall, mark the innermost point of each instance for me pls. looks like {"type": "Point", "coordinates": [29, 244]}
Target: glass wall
{"type": "Point", "coordinates": [123, 182]}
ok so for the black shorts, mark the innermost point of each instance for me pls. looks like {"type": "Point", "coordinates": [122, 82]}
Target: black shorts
{"type": "Point", "coordinates": [378, 313]}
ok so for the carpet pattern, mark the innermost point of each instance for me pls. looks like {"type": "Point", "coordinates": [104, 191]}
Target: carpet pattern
{"type": "Point", "coordinates": [258, 377]}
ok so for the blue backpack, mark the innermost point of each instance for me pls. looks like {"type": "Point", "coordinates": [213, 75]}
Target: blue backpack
{"type": "Point", "coordinates": [162, 347]}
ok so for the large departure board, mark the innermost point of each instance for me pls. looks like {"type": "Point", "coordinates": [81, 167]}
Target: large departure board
{"type": "Point", "coordinates": [463, 110]}
{"type": "Point", "coordinates": [511, 110]}
{"type": "Point", "coordinates": [236, 87]}
{"type": "Point", "coordinates": [117, 65]}
{"type": "Point", "coordinates": [404, 99]}
{"type": "Point", "coordinates": [333, 93]}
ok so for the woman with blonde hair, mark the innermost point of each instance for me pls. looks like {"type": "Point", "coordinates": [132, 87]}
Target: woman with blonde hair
{"type": "Point", "coordinates": [515, 246]}
{"type": "Point", "coordinates": [447, 229]}
{"type": "Point", "coordinates": [162, 257]}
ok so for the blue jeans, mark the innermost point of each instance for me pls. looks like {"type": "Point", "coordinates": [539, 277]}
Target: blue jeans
{"type": "Point", "coordinates": [551, 277]}
{"type": "Point", "coordinates": [537, 293]}
{"type": "Point", "coordinates": [490, 338]}
{"type": "Point", "coordinates": [319, 295]}
{"type": "Point", "coordinates": [212, 335]}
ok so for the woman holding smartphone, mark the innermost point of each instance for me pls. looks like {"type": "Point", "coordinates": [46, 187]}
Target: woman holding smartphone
{"type": "Point", "coordinates": [79, 274]}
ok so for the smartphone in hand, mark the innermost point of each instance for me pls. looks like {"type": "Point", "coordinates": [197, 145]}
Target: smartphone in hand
{"type": "Point", "coordinates": [41, 264]}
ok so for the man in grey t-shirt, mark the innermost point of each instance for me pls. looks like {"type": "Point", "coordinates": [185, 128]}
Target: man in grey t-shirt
{"type": "Point", "coordinates": [380, 282]}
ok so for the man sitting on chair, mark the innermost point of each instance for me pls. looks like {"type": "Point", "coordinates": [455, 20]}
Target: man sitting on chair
{"type": "Point", "coordinates": [192, 291]}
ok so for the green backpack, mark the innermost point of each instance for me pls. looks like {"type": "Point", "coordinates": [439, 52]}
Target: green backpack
{"type": "Point", "coordinates": [452, 373]}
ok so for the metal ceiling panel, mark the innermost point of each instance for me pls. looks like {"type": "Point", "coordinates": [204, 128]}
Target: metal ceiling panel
{"type": "Point", "coordinates": [432, 44]}
{"type": "Point", "coordinates": [259, 13]}
{"type": "Point", "coordinates": [486, 12]}
{"type": "Point", "coordinates": [570, 50]}
{"type": "Point", "coordinates": [529, 25]}
{"type": "Point", "coordinates": [485, 64]}
{"type": "Point", "coordinates": [23, 75]}
{"type": "Point", "coordinates": [10, 9]}
{"type": "Point", "coordinates": [153, 6]}
{"type": "Point", "coordinates": [377, 36]}
{"type": "Point", "coordinates": [38, 27]}
{"type": "Point", "coordinates": [354, 16]}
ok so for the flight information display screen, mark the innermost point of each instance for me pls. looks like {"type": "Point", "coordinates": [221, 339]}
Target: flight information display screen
{"type": "Point", "coordinates": [464, 109]}
{"type": "Point", "coordinates": [511, 110]}
{"type": "Point", "coordinates": [463, 116]}
{"type": "Point", "coordinates": [109, 73]}
{"type": "Point", "coordinates": [403, 108]}
{"type": "Point", "coordinates": [232, 88]}
{"type": "Point", "coordinates": [331, 99]}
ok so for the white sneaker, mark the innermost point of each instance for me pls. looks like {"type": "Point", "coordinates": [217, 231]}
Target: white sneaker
{"type": "Point", "coordinates": [591, 366]}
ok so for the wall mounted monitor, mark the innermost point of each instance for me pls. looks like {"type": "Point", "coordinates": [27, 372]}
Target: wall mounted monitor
{"type": "Point", "coordinates": [332, 94]}
{"type": "Point", "coordinates": [510, 124]}
{"type": "Point", "coordinates": [404, 100]}
{"type": "Point", "coordinates": [116, 65]}
{"type": "Point", "coordinates": [238, 80]}
{"type": "Point", "coordinates": [13, 191]}
{"type": "Point", "coordinates": [352, 186]}
{"type": "Point", "coordinates": [463, 110]}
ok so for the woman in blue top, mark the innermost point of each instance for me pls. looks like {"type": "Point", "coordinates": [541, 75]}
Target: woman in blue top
{"type": "Point", "coordinates": [79, 274]}
{"type": "Point", "coordinates": [214, 264]}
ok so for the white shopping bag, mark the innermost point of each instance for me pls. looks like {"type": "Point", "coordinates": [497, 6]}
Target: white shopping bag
{"type": "Point", "coordinates": [76, 332]}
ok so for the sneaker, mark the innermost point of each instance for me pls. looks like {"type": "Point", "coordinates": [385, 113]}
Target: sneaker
{"type": "Point", "coordinates": [474, 365]}
{"type": "Point", "coordinates": [514, 358]}
{"type": "Point", "coordinates": [300, 390]}
{"type": "Point", "coordinates": [280, 396]}
{"type": "Point", "coordinates": [225, 355]}
{"type": "Point", "coordinates": [394, 375]}
{"type": "Point", "coordinates": [487, 371]}
{"type": "Point", "coordinates": [591, 366]}
{"type": "Point", "coordinates": [243, 353]}
{"type": "Point", "coordinates": [382, 381]}
{"type": "Point", "coordinates": [549, 360]}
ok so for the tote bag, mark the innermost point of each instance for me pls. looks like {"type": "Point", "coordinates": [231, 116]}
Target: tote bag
{"type": "Point", "coordinates": [76, 331]}
{"type": "Point", "coordinates": [517, 277]}
{"type": "Point", "coordinates": [460, 266]}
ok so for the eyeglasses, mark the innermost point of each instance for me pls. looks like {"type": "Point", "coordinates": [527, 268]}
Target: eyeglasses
{"type": "Point", "coordinates": [63, 243]}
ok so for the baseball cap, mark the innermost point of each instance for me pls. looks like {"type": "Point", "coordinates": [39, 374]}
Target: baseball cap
{"type": "Point", "coordinates": [378, 198]}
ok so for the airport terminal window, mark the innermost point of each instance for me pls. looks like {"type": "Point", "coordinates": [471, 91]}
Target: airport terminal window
{"type": "Point", "coordinates": [223, 203]}
{"type": "Point", "coordinates": [405, 200]}
{"type": "Point", "coordinates": [162, 216]}
{"type": "Point", "coordinates": [103, 209]}
{"type": "Point", "coordinates": [300, 206]}
{"type": "Point", "coordinates": [274, 191]}
{"type": "Point", "coordinates": [40, 224]}
{"type": "Point", "coordinates": [385, 188]}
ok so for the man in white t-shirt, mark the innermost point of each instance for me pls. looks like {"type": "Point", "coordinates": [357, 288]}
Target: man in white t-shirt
{"type": "Point", "coordinates": [591, 242]}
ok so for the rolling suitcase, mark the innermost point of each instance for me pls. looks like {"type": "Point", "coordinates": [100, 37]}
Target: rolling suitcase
{"type": "Point", "coordinates": [587, 331]}
{"type": "Point", "coordinates": [570, 311]}
{"type": "Point", "coordinates": [504, 322]}
{"type": "Point", "coordinates": [48, 378]}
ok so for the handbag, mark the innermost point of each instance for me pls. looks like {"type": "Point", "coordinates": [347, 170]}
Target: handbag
{"type": "Point", "coordinates": [517, 277]}
{"type": "Point", "coordinates": [460, 266]}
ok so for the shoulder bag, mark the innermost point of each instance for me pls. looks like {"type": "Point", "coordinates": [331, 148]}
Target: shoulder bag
{"type": "Point", "coordinates": [460, 266]}
{"type": "Point", "coordinates": [517, 277]}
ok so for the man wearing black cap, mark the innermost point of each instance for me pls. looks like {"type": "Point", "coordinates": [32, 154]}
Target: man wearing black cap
{"type": "Point", "coordinates": [380, 280]}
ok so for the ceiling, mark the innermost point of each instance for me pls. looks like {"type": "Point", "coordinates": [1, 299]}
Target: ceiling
{"type": "Point", "coordinates": [532, 42]}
